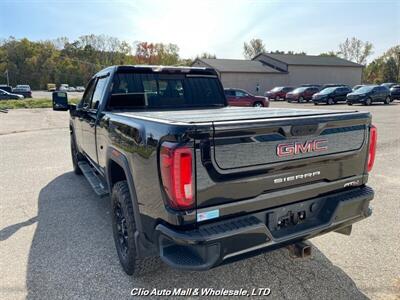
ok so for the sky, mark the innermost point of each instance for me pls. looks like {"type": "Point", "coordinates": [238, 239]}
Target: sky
{"type": "Point", "coordinates": [219, 27]}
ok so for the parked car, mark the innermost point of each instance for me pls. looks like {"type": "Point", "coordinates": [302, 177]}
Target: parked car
{"type": "Point", "coordinates": [4, 95]}
{"type": "Point", "coordinates": [71, 89]}
{"type": "Point", "coordinates": [356, 87]}
{"type": "Point", "coordinates": [80, 88]}
{"type": "Point", "coordinates": [238, 97]}
{"type": "Point", "coordinates": [51, 87]}
{"type": "Point", "coordinates": [6, 88]}
{"type": "Point", "coordinates": [310, 85]}
{"type": "Point", "coordinates": [395, 92]}
{"type": "Point", "coordinates": [301, 94]}
{"type": "Point", "coordinates": [198, 183]}
{"type": "Point", "coordinates": [369, 94]}
{"type": "Point", "coordinates": [388, 84]}
{"type": "Point", "coordinates": [329, 85]}
{"type": "Point", "coordinates": [24, 90]}
{"type": "Point", "coordinates": [278, 93]}
{"type": "Point", "coordinates": [64, 87]}
{"type": "Point", "coordinates": [331, 95]}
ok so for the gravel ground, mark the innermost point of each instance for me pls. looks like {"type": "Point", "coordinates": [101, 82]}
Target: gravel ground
{"type": "Point", "coordinates": [56, 239]}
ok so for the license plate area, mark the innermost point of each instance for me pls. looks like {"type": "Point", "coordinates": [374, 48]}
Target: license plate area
{"type": "Point", "coordinates": [300, 216]}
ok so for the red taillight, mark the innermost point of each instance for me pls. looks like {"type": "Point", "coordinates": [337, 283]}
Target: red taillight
{"type": "Point", "coordinates": [176, 175]}
{"type": "Point", "coordinates": [373, 135]}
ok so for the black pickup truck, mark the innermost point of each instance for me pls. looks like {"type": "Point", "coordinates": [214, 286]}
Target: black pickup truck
{"type": "Point", "coordinates": [200, 183]}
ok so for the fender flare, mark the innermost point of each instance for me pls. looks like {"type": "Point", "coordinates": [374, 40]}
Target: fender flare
{"type": "Point", "coordinates": [121, 160]}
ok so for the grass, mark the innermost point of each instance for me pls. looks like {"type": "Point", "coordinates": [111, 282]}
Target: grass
{"type": "Point", "coordinates": [30, 103]}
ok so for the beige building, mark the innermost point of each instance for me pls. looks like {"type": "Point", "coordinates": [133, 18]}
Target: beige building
{"type": "Point", "coordinates": [269, 70]}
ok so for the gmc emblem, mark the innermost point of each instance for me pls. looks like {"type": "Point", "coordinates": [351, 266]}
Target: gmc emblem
{"type": "Point", "coordinates": [295, 148]}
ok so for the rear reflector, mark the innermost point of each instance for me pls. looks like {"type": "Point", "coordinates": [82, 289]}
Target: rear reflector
{"type": "Point", "coordinates": [373, 136]}
{"type": "Point", "coordinates": [176, 175]}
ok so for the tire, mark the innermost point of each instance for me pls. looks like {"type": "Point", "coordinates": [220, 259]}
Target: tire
{"type": "Point", "coordinates": [258, 104]}
{"type": "Point", "coordinates": [124, 228]}
{"type": "Point", "coordinates": [387, 100]}
{"type": "Point", "coordinates": [76, 156]}
{"type": "Point", "coordinates": [300, 100]}
{"type": "Point", "coordinates": [368, 102]}
{"type": "Point", "coordinates": [315, 103]}
{"type": "Point", "coordinates": [349, 103]}
{"type": "Point", "coordinates": [330, 101]}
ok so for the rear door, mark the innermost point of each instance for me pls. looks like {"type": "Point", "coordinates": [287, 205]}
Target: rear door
{"type": "Point", "coordinates": [340, 94]}
{"type": "Point", "coordinates": [230, 96]}
{"type": "Point", "coordinates": [310, 92]}
{"type": "Point", "coordinates": [376, 94]}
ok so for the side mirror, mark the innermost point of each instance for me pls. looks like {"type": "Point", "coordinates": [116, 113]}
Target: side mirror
{"type": "Point", "coordinates": [60, 101]}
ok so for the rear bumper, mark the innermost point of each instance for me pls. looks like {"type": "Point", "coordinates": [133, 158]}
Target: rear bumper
{"type": "Point", "coordinates": [215, 243]}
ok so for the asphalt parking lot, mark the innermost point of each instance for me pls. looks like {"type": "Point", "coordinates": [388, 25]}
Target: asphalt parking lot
{"type": "Point", "coordinates": [56, 238]}
{"type": "Point", "coordinates": [48, 95]}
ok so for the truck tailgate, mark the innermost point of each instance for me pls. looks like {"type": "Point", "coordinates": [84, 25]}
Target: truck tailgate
{"type": "Point", "coordinates": [276, 142]}
{"type": "Point", "coordinates": [292, 156]}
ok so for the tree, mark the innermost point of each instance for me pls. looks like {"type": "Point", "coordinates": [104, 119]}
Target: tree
{"type": "Point", "coordinates": [288, 52]}
{"type": "Point", "coordinates": [206, 55]}
{"type": "Point", "coordinates": [390, 71]}
{"type": "Point", "coordinates": [394, 53]}
{"type": "Point", "coordinates": [157, 53]}
{"type": "Point", "coordinates": [253, 48]}
{"type": "Point", "coordinates": [355, 50]}
{"type": "Point", "coordinates": [384, 68]}
{"type": "Point", "coordinates": [330, 54]}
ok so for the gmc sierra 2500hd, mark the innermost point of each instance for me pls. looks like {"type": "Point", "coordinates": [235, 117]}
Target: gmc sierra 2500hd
{"type": "Point", "coordinates": [200, 183]}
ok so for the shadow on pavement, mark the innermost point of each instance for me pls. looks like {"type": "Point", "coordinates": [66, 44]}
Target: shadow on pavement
{"type": "Point", "coordinates": [73, 256]}
{"type": "Point", "coordinates": [8, 231]}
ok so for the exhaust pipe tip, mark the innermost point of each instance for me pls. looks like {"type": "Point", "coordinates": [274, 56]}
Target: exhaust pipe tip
{"type": "Point", "coordinates": [300, 250]}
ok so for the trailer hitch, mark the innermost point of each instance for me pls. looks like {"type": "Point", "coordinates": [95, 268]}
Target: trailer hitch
{"type": "Point", "coordinates": [300, 249]}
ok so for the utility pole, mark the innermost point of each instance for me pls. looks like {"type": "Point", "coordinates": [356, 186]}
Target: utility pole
{"type": "Point", "coordinates": [8, 80]}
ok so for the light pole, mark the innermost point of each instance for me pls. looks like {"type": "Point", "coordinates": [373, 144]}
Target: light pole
{"type": "Point", "coordinates": [8, 80]}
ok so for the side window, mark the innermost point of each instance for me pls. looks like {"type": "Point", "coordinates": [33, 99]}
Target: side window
{"type": "Point", "coordinates": [240, 94]}
{"type": "Point", "coordinates": [98, 92]}
{"type": "Point", "coordinates": [87, 96]}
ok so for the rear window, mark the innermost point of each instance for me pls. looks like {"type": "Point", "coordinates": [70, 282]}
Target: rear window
{"type": "Point", "coordinates": [165, 90]}
{"type": "Point", "coordinates": [21, 86]}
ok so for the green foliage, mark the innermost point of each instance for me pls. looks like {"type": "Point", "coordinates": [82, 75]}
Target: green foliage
{"type": "Point", "coordinates": [253, 48]}
{"type": "Point", "coordinates": [330, 54]}
{"type": "Point", "coordinates": [385, 68]}
{"type": "Point", "coordinates": [157, 53]}
{"type": "Point", "coordinates": [390, 70]}
{"type": "Point", "coordinates": [30, 103]}
{"type": "Point", "coordinates": [75, 62]}
{"type": "Point", "coordinates": [206, 55]}
{"type": "Point", "coordinates": [288, 52]}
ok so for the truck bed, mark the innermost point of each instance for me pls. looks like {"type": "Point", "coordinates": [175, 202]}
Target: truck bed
{"type": "Point", "coordinates": [225, 114]}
